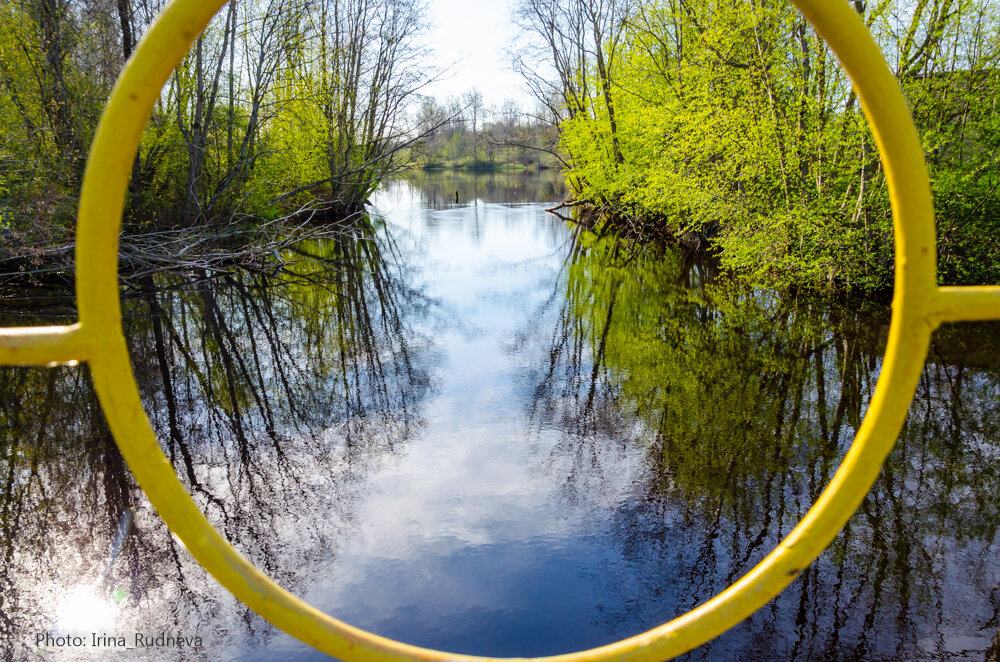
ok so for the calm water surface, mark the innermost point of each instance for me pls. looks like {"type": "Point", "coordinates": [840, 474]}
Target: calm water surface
{"type": "Point", "coordinates": [467, 427]}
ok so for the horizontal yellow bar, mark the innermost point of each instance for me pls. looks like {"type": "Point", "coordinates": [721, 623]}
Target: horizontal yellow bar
{"type": "Point", "coordinates": [42, 345]}
{"type": "Point", "coordinates": [967, 304]}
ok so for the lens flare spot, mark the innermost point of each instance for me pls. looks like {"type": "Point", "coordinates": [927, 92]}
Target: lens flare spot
{"type": "Point", "coordinates": [84, 610]}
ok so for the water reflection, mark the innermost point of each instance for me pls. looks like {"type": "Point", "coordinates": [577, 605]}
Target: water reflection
{"type": "Point", "coordinates": [273, 396]}
{"type": "Point", "coordinates": [440, 189]}
{"type": "Point", "coordinates": [470, 428]}
{"type": "Point", "coordinates": [743, 403]}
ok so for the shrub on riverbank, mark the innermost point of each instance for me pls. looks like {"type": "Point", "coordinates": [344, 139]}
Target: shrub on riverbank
{"type": "Point", "coordinates": [738, 125]}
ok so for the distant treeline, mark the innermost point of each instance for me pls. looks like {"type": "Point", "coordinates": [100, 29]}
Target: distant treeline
{"type": "Point", "coordinates": [278, 106]}
{"type": "Point", "coordinates": [465, 133]}
{"type": "Point", "coordinates": [731, 124]}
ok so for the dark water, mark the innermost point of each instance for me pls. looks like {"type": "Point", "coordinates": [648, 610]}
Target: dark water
{"type": "Point", "coordinates": [465, 427]}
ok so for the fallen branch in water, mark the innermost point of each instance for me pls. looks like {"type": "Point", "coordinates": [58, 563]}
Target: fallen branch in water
{"type": "Point", "coordinates": [247, 243]}
{"type": "Point", "coordinates": [567, 204]}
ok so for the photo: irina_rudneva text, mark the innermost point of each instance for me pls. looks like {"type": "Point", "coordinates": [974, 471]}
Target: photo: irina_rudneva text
{"type": "Point", "coordinates": [110, 640]}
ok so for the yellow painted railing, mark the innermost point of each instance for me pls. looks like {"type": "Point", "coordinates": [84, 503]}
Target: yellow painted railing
{"type": "Point", "coordinates": [919, 305]}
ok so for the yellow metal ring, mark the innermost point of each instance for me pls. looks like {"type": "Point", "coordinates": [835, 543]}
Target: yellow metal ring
{"type": "Point", "coordinates": [918, 306]}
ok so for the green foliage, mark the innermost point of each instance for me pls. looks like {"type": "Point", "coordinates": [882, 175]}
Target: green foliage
{"type": "Point", "coordinates": [276, 108]}
{"type": "Point", "coordinates": [735, 124]}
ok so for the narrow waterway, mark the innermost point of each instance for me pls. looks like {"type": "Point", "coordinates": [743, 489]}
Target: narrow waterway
{"type": "Point", "coordinates": [466, 426]}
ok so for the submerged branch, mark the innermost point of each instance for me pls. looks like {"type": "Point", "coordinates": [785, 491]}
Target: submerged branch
{"type": "Point", "coordinates": [247, 243]}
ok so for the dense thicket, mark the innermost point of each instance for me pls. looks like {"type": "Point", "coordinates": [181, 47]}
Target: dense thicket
{"type": "Point", "coordinates": [279, 105]}
{"type": "Point", "coordinates": [731, 122]}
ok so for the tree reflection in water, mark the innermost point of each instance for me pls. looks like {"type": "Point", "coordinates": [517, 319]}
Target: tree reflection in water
{"type": "Point", "coordinates": [437, 188]}
{"type": "Point", "coordinates": [743, 403]}
{"type": "Point", "coordinates": [273, 395]}
{"type": "Point", "coordinates": [613, 435]}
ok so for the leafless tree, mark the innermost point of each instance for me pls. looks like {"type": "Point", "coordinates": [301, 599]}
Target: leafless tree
{"type": "Point", "coordinates": [569, 49]}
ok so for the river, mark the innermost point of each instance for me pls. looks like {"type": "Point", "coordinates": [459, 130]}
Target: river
{"type": "Point", "coordinates": [467, 426]}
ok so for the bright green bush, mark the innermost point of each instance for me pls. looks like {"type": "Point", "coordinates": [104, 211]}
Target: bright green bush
{"type": "Point", "coordinates": [736, 124]}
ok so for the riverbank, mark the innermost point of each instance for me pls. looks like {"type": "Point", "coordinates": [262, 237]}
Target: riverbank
{"type": "Point", "coordinates": [249, 243]}
{"type": "Point", "coordinates": [820, 250]}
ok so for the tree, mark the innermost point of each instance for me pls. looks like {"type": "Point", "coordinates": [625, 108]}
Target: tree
{"type": "Point", "coordinates": [731, 125]}
{"type": "Point", "coordinates": [279, 106]}
{"type": "Point", "coordinates": [474, 105]}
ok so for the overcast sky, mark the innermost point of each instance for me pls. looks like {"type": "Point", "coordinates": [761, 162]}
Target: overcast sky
{"type": "Point", "coordinates": [471, 36]}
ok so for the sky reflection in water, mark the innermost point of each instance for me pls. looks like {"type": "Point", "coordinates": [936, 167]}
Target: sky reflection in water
{"type": "Point", "coordinates": [470, 429]}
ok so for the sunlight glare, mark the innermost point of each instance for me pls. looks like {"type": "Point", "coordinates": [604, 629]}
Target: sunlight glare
{"type": "Point", "coordinates": [84, 610]}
